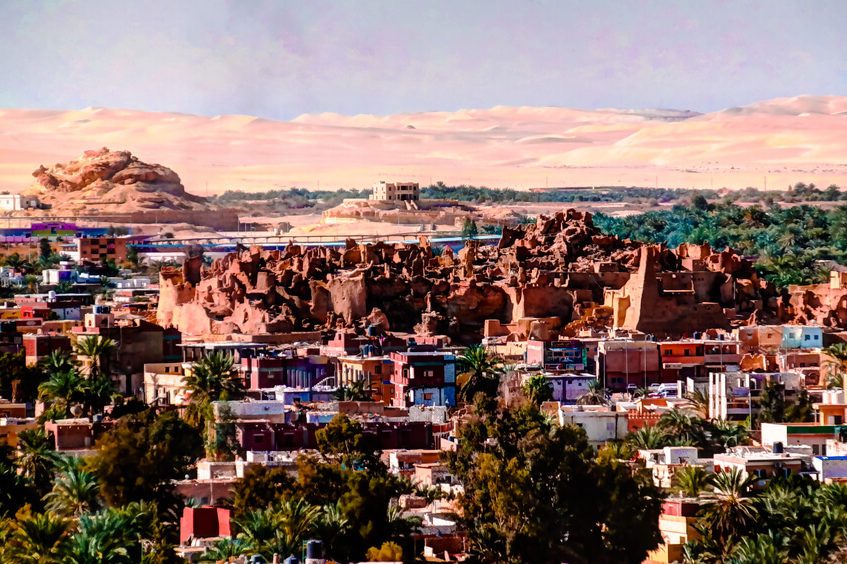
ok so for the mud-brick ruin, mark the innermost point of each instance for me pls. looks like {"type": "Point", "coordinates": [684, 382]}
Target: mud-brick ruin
{"type": "Point", "coordinates": [560, 274]}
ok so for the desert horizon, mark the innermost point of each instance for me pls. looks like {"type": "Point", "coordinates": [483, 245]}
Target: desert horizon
{"type": "Point", "coordinates": [769, 144]}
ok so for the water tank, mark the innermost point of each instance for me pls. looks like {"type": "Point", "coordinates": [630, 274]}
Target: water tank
{"type": "Point", "coordinates": [51, 296]}
{"type": "Point", "coordinates": [291, 560]}
{"type": "Point", "coordinates": [314, 552]}
{"type": "Point", "coordinates": [101, 309]}
{"type": "Point", "coordinates": [778, 448]}
{"type": "Point", "coordinates": [372, 331]}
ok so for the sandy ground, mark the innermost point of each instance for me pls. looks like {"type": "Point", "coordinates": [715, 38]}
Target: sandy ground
{"type": "Point", "coordinates": [778, 142]}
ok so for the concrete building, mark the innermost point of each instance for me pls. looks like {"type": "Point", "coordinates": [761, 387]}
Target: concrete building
{"type": "Point", "coordinates": [802, 337]}
{"type": "Point", "coordinates": [395, 191]}
{"type": "Point", "coordinates": [831, 468]}
{"type": "Point", "coordinates": [832, 410]}
{"type": "Point", "coordinates": [100, 249]}
{"type": "Point", "coordinates": [812, 435]}
{"type": "Point", "coordinates": [567, 388]}
{"type": "Point", "coordinates": [735, 396]}
{"type": "Point", "coordinates": [600, 424]}
{"type": "Point", "coordinates": [423, 378]}
{"type": "Point", "coordinates": [374, 370]}
{"type": "Point", "coordinates": [164, 384]}
{"type": "Point", "coordinates": [628, 363]}
{"type": "Point", "coordinates": [557, 355]}
{"type": "Point", "coordinates": [17, 202]}
{"type": "Point", "coordinates": [760, 338]}
{"type": "Point", "coordinates": [763, 463]}
{"type": "Point", "coordinates": [39, 345]}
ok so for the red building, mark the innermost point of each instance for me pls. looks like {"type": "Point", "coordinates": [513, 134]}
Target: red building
{"type": "Point", "coordinates": [266, 436]}
{"type": "Point", "coordinates": [39, 345]}
{"type": "Point", "coordinates": [203, 522]}
{"type": "Point", "coordinates": [423, 378]}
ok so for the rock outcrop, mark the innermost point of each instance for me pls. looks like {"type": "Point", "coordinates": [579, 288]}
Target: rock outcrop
{"type": "Point", "coordinates": [111, 181]}
{"type": "Point", "coordinates": [561, 269]}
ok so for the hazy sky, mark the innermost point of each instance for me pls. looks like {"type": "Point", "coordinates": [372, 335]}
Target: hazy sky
{"type": "Point", "coordinates": [280, 59]}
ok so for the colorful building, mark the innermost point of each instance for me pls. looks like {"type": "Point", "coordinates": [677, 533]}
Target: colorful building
{"type": "Point", "coordinates": [423, 378]}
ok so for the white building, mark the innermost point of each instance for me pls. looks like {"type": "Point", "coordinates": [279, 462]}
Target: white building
{"type": "Point", "coordinates": [17, 202]}
{"type": "Point", "coordinates": [599, 423]}
{"type": "Point", "coordinates": [396, 191]}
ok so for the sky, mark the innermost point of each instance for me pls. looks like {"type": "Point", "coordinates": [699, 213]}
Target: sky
{"type": "Point", "coordinates": [280, 59]}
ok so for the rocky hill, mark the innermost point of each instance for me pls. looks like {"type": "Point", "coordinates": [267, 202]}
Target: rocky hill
{"type": "Point", "coordinates": [561, 272]}
{"type": "Point", "coordinates": [111, 182]}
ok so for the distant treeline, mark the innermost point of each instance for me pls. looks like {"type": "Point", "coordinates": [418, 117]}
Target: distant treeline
{"type": "Point", "coordinates": [792, 244]}
{"type": "Point", "coordinates": [302, 198]}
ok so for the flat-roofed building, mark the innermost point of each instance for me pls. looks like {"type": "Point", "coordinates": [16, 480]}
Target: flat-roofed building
{"type": "Point", "coordinates": [395, 191]}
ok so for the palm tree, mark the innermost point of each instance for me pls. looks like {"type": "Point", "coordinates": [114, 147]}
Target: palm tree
{"type": "Point", "coordinates": [96, 393]}
{"type": "Point", "coordinates": [764, 548]}
{"type": "Point", "coordinates": [75, 492]}
{"type": "Point", "coordinates": [98, 351]}
{"type": "Point", "coordinates": [682, 427]}
{"type": "Point", "coordinates": [400, 525]}
{"type": "Point", "coordinates": [596, 395]}
{"type": "Point", "coordinates": [538, 389]}
{"type": "Point", "coordinates": [213, 378]}
{"type": "Point", "coordinates": [101, 539]}
{"type": "Point", "coordinates": [296, 519]}
{"type": "Point", "coordinates": [691, 480]}
{"type": "Point", "coordinates": [36, 459]}
{"type": "Point", "coordinates": [62, 389]}
{"type": "Point", "coordinates": [41, 539]}
{"type": "Point", "coordinates": [837, 366]}
{"type": "Point", "coordinates": [699, 402]}
{"type": "Point", "coordinates": [729, 510]}
{"type": "Point", "coordinates": [480, 372]}
{"type": "Point", "coordinates": [727, 433]}
{"type": "Point", "coordinates": [649, 437]}
{"type": "Point", "coordinates": [226, 550]}
{"type": "Point", "coordinates": [258, 529]}
{"type": "Point", "coordinates": [616, 450]}
{"type": "Point", "coordinates": [333, 527]}
{"type": "Point", "coordinates": [57, 361]}
{"type": "Point", "coordinates": [356, 391]}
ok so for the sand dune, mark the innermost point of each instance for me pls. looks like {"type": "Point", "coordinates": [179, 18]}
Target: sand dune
{"type": "Point", "coordinates": [786, 140]}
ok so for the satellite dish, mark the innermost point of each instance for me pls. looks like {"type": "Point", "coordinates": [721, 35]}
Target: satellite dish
{"type": "Point", "coordinates": [76, 410]}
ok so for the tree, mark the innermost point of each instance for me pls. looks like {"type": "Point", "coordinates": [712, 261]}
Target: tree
{"type": "Point", "coordinates": [595, 395]}
{"type": "Point", "coordinates": [480, 372]}
{"type": "Point", "coordinates": [683, 428]}
{"type": "Point", "coordinates": [469, 230]}
{"type": "Point", "coordinates": [538, 389]}
{"type": "Point", "coordinates": [279, 529]}
{"type": "Point", "coordinates": [63, 390]}
{"type": "Point", "coordinates": [18, 381]}
{"type": "Point", "coordinates": [211, 379]}
{"type": "Point", "coordinates": [45, 251]}
{"type": "Point", "coordinates": [37, 460]}
{"type": "Point", "coordinates": [730, 511]}
{"type": "Point", "coordinates": [98, 351]}
{"type": "Point", "coordinates": [227, 550]}
{"type": "Point", "coordinates": [260, 485]}
{"type": "Point", "coordinates": [40, 538]}
{"type": "Point", "coordinates": [534, 492]}
{"type": "Point", "coordinates": [15, 490]}
{"type": "Point", "coordinates": [138, 459]}
{"type": "Point", "coordinates": [649, 437]}
{"type": "Point", "coordinates": [801, 411]}
{"type": "Point", "coordinates": [74, 492]}
{"type": "Point", "coordinates": [356, 391]}
{"type": "Point", "coordinates": [692, 480]}
{"type": "Point", "coordinates": [836, 366]}
{"type": "Point", "coordinates": [345, 439]}
{"type": "Point", "coordinates": [772, 404]}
